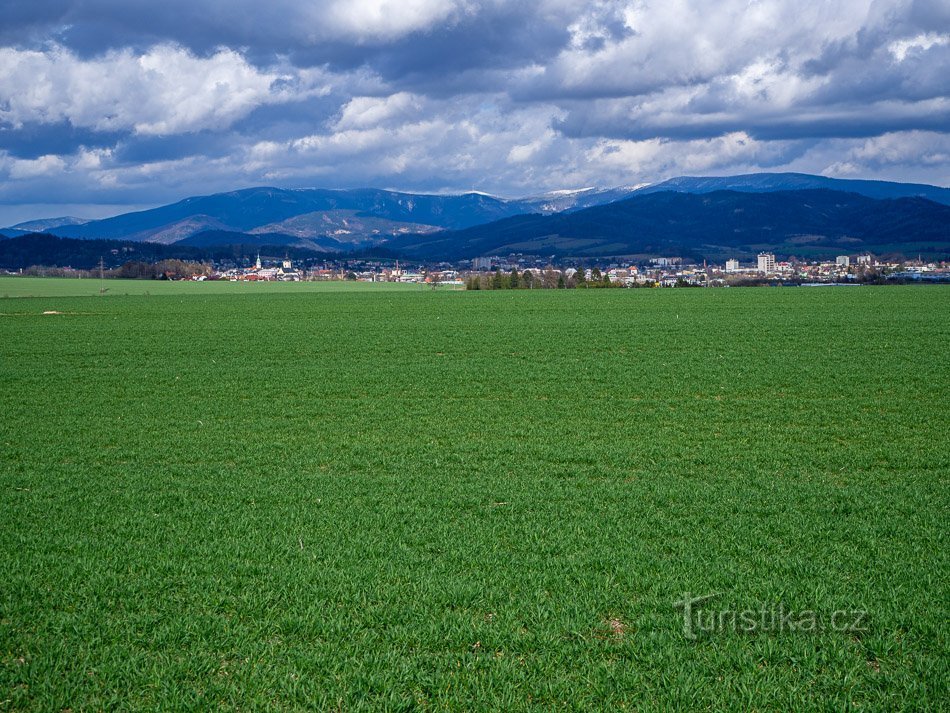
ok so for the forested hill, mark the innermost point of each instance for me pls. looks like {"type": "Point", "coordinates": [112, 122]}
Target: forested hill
{"type": "Point", "coordinates": [42, 249]}
{"type": "Point", "coordinates": [807, 223]}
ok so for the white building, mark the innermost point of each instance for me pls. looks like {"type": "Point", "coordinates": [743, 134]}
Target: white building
{"type": "Point", "coordinates": [732, 266]}
{"type": "Point", "coordinates": [766, 262]}
{"type": "Point", "coordinates": [843, 261]}
{"type": "Point", "coordinates": [287, 273]}
{"type": "Point", "coordinates": [865, 260]}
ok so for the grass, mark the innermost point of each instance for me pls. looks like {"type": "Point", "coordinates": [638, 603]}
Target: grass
{"type": "Point", "coordinates": [64, 287]}
{"type": "Point", "coordinates": [473, 500]}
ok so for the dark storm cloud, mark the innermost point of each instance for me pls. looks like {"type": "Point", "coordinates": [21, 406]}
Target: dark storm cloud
{"type": "Point", "coordinates": [148, 149]}
{"type": "Point", "coordinates": [93, 26]}
{"type": "Point", "coordinates": [505, 37]}
{"type": "Point", "coordinates": [281, 122]}
{"type": "Point", "coordinates": [775, 128]}
{"type": "Point", "coordinates": [499, 34]}
{"type": "Point", "coordinates": [27, 21]}
{"type": "Point", "coordinates": [35, 139]}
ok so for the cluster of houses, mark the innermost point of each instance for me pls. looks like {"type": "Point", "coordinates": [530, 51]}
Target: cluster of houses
{"type": "Point", "coordinates": [661, 271]}
{"type": "Point", "coordinates": [285, 272]}
{"type": "Point", "coordinates": [675, 271]}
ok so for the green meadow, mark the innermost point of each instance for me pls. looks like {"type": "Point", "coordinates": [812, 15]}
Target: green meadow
{"type": "Point", "coordinates": [377, 499]}
{"type": "Point", "coordinates": [62, 287]}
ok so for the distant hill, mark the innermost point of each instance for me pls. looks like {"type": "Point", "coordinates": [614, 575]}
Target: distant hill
{"type": "Point", "coordinates": [217, 238]}
{"type": "Point", "coordinates": [345, 226]}
{"type": "Point", "coordinates": [807, 223]}
{"type": "Point", "coordinates": [772, 182]}
{"type": "Point", "coordinates": [347, 220]}
{"type": "Point", "coordinates": [44, 224]}
{"type": "Point", "coordinates": [561, 201]}
{"type": "Point", "coordinates": [714, 226]}
{"type": "Point", "coordinates": [374, 212]}
{"type": "Point", "coordinates": [52, 251]}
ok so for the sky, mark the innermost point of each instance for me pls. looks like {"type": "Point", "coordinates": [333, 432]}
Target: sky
{"type": "Point", "coordinates": [115, 105]}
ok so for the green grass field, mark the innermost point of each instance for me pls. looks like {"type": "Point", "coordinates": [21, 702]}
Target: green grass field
{"type": "Point", "coordinates": [474, 500]}
{"type": "Point", "coordinates": [60, 287]}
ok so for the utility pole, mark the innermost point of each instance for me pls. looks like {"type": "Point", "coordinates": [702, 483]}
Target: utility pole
{"type": "Point", "coordinates": [102, 277]}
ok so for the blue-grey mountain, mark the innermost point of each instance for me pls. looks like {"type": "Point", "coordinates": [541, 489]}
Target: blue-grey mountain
{"type": "Point", "coordinates": [806, 223]}
{"type": "Point", "coordinates": [804, 214]}
{"type": "Point", "coordinates": [326, 212]}
{"type": "Point", "coordinates": [771, 182]}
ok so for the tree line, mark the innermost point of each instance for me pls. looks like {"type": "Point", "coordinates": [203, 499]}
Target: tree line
{"type": "Point", "coordinates": [546, 279]}
{"type": "Point", "coordinates": [132, 270]}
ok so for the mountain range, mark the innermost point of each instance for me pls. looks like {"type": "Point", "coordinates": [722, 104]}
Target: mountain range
{"type": "Point", "coordinates": [716, 225]}
{"type": "Point", "coordinates": [708, 217]}
{"type": "Point", "coordinates": [772, 182]}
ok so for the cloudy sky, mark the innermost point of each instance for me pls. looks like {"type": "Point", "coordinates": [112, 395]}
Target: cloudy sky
{"type": "Point", "coordinates": [107, 105]}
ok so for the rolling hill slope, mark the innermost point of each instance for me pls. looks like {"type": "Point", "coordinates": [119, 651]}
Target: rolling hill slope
{"type": "Point", "coordinates": [775, 182]}
{"type": "Point", "coordinates": [264, 208]}
{"type": "Point", "coordinates": [345, 220]}
{"type": "Point", "coordinates": [713, 225]}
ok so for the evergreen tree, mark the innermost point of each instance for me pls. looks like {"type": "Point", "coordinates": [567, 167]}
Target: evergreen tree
{"type": "Point", "coordinates": [513, 280]}
{"type": "Point", "coordinates": [560, 282]}
{"type": "Point", "coordinates": [496, 281]}
{"type": "Point", "coordinates": [579, 279]}
{"type": "Point", "coordinates": [595, 275]}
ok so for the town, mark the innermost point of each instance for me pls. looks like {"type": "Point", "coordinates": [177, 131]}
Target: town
{"type": "Point", "coordinates": [521, 271]}
{"type": "Point", "coordinates": [496, 271]}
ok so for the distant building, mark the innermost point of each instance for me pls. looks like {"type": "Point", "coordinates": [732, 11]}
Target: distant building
{"type": "Point", "coordinates": [766, 262]}
{"type": "Point", "coordinates": [481, 263]}
{"type": "Point", "coordinates": [287, 273]}
{"type": "Point", "coordinates": [843, 261]}
{"type": "Point", "coordinates": [865, 260]}
{"type": "Point", "coordinates": [732, 266]}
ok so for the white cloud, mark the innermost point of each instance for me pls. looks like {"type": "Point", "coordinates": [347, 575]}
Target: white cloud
{"type": "Point", "coordinates": [920, 147]}
{"type": "Point", "coordinates": [900, 48]}
{"type": "Point", "coordinates": [663, 158]}
{"type": "Point", "coordinates": [34, 168]}
{"type": "Point", "coordinates": [682, 43]}
{"type": "Point", "coordinates": [384, 19]}
{"type": "Point", "coordinates": [92, 159]}
{"type": "Point", "coordinates": [523, 153]}
{"type": "Point", "coordinates": [163, 91]}
{"type": "Point", "coordinates": [366, 112]}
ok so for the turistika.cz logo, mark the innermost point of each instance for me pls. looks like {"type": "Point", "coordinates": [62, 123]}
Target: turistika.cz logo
{"type": "Point", "coordinates": [700, 618]}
